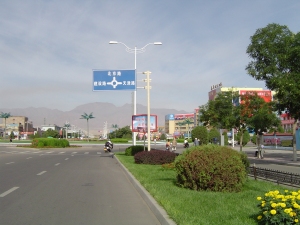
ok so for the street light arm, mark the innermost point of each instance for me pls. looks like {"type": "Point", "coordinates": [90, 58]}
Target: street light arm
{"type": "Point", "coordinates": [135, 50]}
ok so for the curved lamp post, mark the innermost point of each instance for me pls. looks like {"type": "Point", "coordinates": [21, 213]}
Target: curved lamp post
{"type": "Point", "coordinates": [135, 50]}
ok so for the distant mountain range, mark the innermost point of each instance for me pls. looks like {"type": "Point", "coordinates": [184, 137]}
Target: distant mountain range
{"type": "Point", "coordinates": [103, 112]}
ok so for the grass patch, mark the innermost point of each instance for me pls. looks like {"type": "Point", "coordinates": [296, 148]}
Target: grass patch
{"type": "Point", "coordinates": [185, 206]}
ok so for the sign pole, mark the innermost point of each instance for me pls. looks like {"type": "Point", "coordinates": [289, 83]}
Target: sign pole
{"type": "Point", "coordinates": [148, 109]}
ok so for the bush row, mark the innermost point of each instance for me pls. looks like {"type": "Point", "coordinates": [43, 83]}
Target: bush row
{"type": "Point", "coordinates": [132, 150]}
{"type": "Point", "coordinates": [49, 142]}
{"type": "Point", "coordinates": [154, 157]}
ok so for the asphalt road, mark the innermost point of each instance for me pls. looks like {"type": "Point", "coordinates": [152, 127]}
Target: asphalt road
{"type": "Point", "coordinates": [67, 186]}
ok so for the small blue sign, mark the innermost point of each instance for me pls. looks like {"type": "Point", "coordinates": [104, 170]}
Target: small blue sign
{"type": "Point", "coordinates": [111, 80]}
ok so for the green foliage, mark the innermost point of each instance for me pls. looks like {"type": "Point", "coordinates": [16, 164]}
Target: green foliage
{"type": "Point", "coordinates": [50, 142]}
{"type": "Point", "coordinates": [124, 132]}
{"type": "Point", "coordinates": [154, 157]}
{"type": "Point", "coordinates": [254, 139]}
{"type": "Point", "coordinates": [132, 150]}
{"type": "Point", "coordinates": [50, 133]}
{"type": "Point", "coordinates": [119, 140]}
{"type": "Point", "coordinates": [214, 135]}
{"type": "Point", "coordinates": [201, 133]}
{"type": "Point", "coordinates": [275, 53]}
{"type": "Point", "coordinates": [163, 136]}
{"type": "Point", "coordinates": [287, 143]}
{"type": "Point", "coordinates": [246, 137]}
{"type": "Point", "coordinates": [211, 167]}
{"type": "Point", "coordinates": [225, 137]}
{"type": "Point", "coordinates": [279, 208]}
{"type": "Point", "coordinates": [12, 135]}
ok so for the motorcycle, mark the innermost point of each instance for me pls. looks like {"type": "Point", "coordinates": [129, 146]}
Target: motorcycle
{"type": "Point", "coordinates": [108, 147]}
{"type": "Point", "coordinates": [186, 145]}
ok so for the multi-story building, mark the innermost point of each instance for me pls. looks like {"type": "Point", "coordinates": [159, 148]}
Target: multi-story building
{"type": "Point", "coordinates": [267, 95]}
{"type": "Point", "coordinates": [19, 125]}
{"type": "Point", "coordinates": [179, 124]}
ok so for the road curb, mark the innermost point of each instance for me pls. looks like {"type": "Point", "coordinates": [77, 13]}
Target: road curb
{"type": "Point", "coordinates": [157, 210]}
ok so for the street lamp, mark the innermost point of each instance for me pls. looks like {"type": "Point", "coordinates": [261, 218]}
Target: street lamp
{"type": "Point", "coordinates": [135, 50]}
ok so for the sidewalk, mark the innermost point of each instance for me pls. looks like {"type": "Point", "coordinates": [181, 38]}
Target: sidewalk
{"type": "Point", "coordinates": [281, 160]}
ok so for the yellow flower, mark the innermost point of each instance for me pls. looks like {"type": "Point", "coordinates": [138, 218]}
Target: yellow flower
{"type": "Point", "coordinates": [287, 211]}
{"type": "Point", "coordinates": [263, 204]}
{"type": "Point", "coordinates": [274, 205]}
{"type": "Point", "coordinates": [259, 217]}
{"type": "Point", "coordinates": [258, 198]}
{"type": "Point", "coordinates": [296, 220]}
{"type": "Point", "coordinates": [291, 214]}
{"type": "Point", "coordinates": [283, 205]}
{"type": "Point", "coordinates": [273, 211]}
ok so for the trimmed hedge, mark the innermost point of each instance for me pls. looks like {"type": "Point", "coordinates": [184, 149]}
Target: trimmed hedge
{"type": "Point", "coordinates": [154, 157]}
{"type": "Point", "coordinates": [50, 142]}
{"type": "Point", "coordinates": [132, 150]}
{"type": "Point", "coordinates": [212, 168]}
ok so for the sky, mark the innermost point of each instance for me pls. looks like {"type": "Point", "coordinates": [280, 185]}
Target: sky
{"type": "Point", "coordinates": [49, 48]}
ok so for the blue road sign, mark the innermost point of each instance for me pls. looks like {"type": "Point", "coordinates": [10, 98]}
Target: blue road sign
{"type": "Point", "coordinates": [108, 80]}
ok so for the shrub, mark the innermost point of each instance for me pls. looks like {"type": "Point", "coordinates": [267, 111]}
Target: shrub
{"type": "Point", "coordinates": [132, 150]}
{"type": "Point", "coordinates": [279, 208]}
{"type": "Point", "coordinates": [119, 140]}
{"type": "Point", "coordinates": [49, 142]}
{"type": "Point", "coordinates": [154, 157]}
{"type": "Point", "coordinates": [211, 167]}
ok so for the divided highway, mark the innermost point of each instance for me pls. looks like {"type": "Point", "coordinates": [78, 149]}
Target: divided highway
{"type": "Point", "coordinates": [67, 186]}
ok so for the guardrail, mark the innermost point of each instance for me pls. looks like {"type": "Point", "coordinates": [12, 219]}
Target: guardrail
{"type": "Point", "coordinates": [279, 177]}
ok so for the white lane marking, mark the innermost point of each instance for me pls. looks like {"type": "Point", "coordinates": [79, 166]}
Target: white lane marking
{"type": "Point", "coordinates": [74, 152]}
{"type": "Point", "coordinates": [72, 155]}
{"type": "Point", "coordinates": [8, 192]}
{"type": "Point", "coordinates": [98, 152]}
{"type": "Point", "coordinates": [61, 152]}
{"type": "Point", "coordinates": [10, 163]}
{"type": "Point", "coordinates": [41, 173]}
{"type": "Point", "coordinates": [29, 158]}
{"type": "Point", "coordinates": [57, 164]}
{"type": "Point", "coordinates": [49, 152]}
{"type": "Point", "coordinates": [66, 158]}
{"type": "Point", "coordinates": [86, 153]}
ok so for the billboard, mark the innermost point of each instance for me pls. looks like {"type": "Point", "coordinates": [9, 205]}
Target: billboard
{"type": "Point", "coordinates": [183, 116]}
{"type": "Point", "coordinates": [108, 80]}
{"type": "Point", "coordinates": [264, 94]}
{"type": "Point", "coordinates": [139, 123]}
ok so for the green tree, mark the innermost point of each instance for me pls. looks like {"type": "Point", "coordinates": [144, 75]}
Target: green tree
{"type": "Point", "coordinates": [222, 113]}
{"type": "Point", "coordinates": [188, 122]}
{"type": "Point", "coordinates": [260, 116]}
{"type": "Point", "coordinates": [87, 117]}
{"type": "Point", "coordinates": [4, 116]}
{"type": "Point", "coordinates": [245, 139]}
{"type": "Point", "coordinates": [163, 136]}
{"type": "Point", "coordinates": [275, 53]}
{"type": "Point", "coordinates": [12, 135]}
{"type": "Point", "coordinates": [51, 133]}
{"type": "Point", "coordinates": [201, 133]}
{"type": "Point", "coordinates": [214, 135]}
